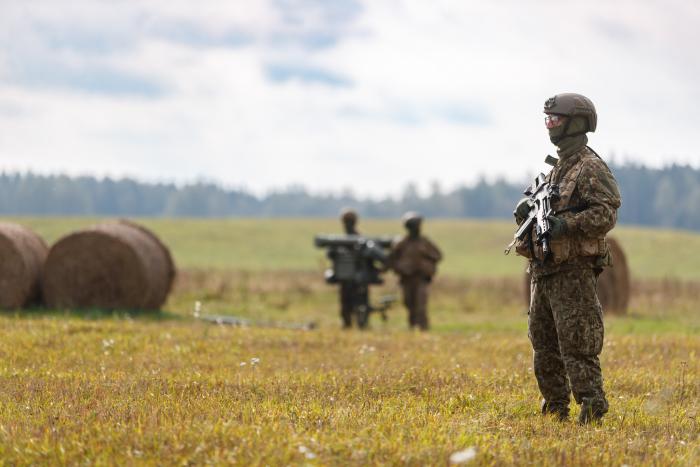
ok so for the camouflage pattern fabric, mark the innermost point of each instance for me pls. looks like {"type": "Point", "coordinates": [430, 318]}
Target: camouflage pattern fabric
{"type": "Point", "coordinates": [565, 326]}
{"type": "Point", "coordinates": [414, 257]}
{"type": "Point", "coordinates": [415, 297]}
{"type": "Point", "coordinates": [589, 201]}
{"type": "Point", "coordinates": [595, 189]}
{"type": "Point", "coordinates": [352, 295]}
{"type": "Point", "coordinates": [565, 319]}
{"type": "Point", "coordinates": [415, 260]}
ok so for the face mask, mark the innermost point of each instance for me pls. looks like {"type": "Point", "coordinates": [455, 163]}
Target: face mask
{"type": "Point", "coordinates": [577, 126]}
{"type": "Point", "coordinates": [556, 134]}
{"type": "Point", "coordinates": [413, 230]}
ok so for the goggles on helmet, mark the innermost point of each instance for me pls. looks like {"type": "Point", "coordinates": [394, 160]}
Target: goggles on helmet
{"type": "Point", "coordinates": [553, 120]}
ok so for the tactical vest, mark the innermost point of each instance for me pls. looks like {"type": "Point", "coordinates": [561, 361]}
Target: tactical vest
{"type": "Point", "coordinates": [568, 246]}
{"type": "Point", "coordinates": [414, 258]}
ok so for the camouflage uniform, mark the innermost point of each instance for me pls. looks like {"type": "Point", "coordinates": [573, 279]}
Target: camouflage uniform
{"type": "Point", "coordinates": [415, 260]}
{"type": "Point", "coordinates": [352, 295]}
{"type": "Point", "coordinates": [565, 318]}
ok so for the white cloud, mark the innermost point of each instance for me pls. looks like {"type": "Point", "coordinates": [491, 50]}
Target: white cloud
{"type": "Point", "coordinates": [443, 90]}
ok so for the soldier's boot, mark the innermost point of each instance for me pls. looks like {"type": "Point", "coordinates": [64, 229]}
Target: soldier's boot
{"type": "Point", "coordinates": [592, 410]}
{"type": "Point", "coordinates": [561, 411]}
{"type": "Point", "coordinates": [423, 324]}
{"type": "Point", "coordinates": [421, 320]}
{"type": "Point", "coordinates": [346, 316]}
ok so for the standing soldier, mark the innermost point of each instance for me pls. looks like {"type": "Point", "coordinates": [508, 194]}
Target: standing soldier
{"type": "Point", "coordinates": [414, 258]}
{"type": "Point", "coordinates": [352, 294]}
{"type": "Point", "coordinates": [565, 319]}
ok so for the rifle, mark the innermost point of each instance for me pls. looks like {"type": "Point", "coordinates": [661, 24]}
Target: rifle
{"type": "Point", "coordinates": [246, 323]}
{"type": "Point", "coordinates": [542, 193]}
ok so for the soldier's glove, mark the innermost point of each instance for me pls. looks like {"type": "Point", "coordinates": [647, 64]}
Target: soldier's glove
{"type": "Point", "coordinates": [558, 227]}
{"type": "Point", "coordinates": [522, 209]}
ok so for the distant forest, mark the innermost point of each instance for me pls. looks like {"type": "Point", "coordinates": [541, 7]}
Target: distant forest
{"type": "Point", "coordinates": [668, 197]}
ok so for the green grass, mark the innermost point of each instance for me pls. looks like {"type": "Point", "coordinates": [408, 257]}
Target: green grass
{"type": "Point", "coordinates": [472, 249]}
{"type": "Point", "coordinates": [116, 388]}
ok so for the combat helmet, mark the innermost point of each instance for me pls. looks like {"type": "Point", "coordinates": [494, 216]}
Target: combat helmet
{"type": "Point", "coordinates": [573, 105]}
{"type": "Point", "coordinates": [348, 215]}
{"type": "Point", "coordinates": [412, 217]}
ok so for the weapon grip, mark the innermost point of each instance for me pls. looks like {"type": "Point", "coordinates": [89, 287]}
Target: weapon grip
{"type": "Point", "coordinates": [545, 246]}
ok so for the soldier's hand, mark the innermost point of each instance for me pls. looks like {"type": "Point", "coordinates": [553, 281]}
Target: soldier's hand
{"type": "Point", "coordinates": [522, 209]}
{"type": "Point", "coordinates": [558, 227]}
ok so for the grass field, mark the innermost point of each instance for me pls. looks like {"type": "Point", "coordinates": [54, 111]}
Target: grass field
{"type": "Point", "coordinates": [118, 388]}
{"type": "Point", "coordinates": [472, 249]}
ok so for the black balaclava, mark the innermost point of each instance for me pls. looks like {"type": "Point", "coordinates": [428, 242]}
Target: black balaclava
{"type": "Point", "coordinates": [413, 227]}
{"type": "Point", "coordinates": [350, 226]}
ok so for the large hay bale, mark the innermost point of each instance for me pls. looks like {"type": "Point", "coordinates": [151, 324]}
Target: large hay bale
{"type": "Point", "coordinates": [613, 283]}
{"type": "Point", "coordinates": [22, 255]}
{"type": "Point", "coordinates": [114, 265]}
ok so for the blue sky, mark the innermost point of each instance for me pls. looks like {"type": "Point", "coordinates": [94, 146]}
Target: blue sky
{"type": "Point", "coordinates": [350, 94]}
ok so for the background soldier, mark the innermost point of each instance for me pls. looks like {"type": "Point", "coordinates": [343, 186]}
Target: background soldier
{"type": "Point", "coordinates": [352, 294]}
{"type": "Point", "coordinates": [565, 319]}
{"type": "Point", "coordinates": [415, 259]}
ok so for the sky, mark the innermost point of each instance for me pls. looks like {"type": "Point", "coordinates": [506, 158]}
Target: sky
{"type": "Point", "coordinates": [360, 95]}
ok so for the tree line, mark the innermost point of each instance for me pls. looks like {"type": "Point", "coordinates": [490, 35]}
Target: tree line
{"type": "Point", "coordinates": [667, 197]}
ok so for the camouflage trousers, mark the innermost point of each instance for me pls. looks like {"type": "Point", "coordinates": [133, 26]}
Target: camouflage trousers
{"type": "Point", "coordinates": [352, 296]}
{"type": "Point", "coordinates": [415, 298]}
{"type": "Point", "coordinates": [565, 327]}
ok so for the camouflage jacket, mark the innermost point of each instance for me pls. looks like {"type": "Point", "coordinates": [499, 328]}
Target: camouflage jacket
{"type": "Point", "coordinates": [588, 203]}
{"type": "Point", "coordinates": [412, 257]}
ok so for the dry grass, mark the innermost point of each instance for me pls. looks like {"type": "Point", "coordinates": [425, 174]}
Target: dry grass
{"type": "Point", "coordinates": [456, 303]}
{"type": "Point", "coordinates": [137, 390]}
{"type": "Point", "coordinates": [123, 391]}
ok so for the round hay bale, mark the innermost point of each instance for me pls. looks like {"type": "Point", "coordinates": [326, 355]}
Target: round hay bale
{"type": "Point", "coordinates": [22, 255]}
{"type": "Point", "coordinates": [613, 283]}
{"type": "Point", "coordinates": [114, 265]}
